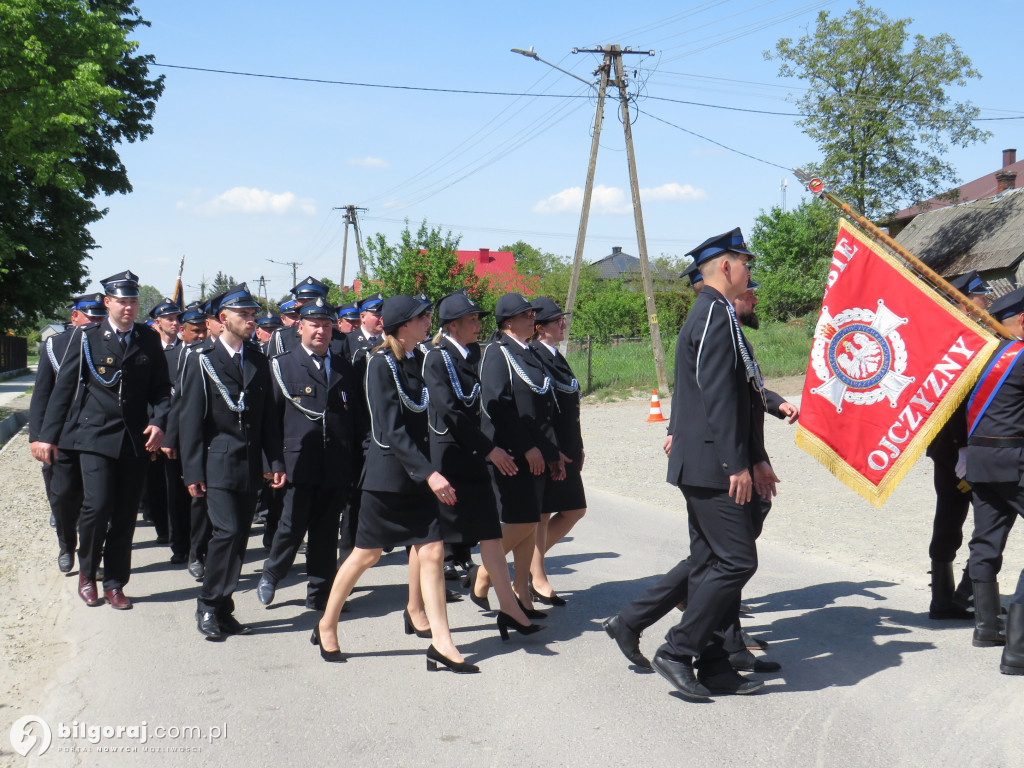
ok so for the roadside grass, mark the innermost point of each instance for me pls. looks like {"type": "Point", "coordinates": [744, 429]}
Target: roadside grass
{"type": "Point", "coordinates": [626, 369]}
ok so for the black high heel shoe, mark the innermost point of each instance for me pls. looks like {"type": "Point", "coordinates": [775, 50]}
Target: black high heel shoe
{"type": "Point", "coordinates": [530, 612]}
{"type": "Point", "coordinates": [505, 622]}
{"type": "Point", "coordinates": [334, 656]}
{"type": "Point", "coordinates": [470, 583]}
{"type": "Point", "coordinates": [410, 628]}
{"type": "Point", "coordinates": [551, 599]}
{"type": "Point", "coordinates": [435, 657]}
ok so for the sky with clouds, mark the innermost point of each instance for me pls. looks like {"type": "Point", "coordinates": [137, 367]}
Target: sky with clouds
{"type": "Point", "coordinates": [243, 172]}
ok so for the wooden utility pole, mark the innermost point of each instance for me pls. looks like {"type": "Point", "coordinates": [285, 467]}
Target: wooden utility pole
{"type": "Point", "coordinates": [613, 60]}
{"type": "Point", "coordinates": [350, 216]}
{"type": "Point", "coordinates": [641, 237]}
{"type": "Point", "coordinates": [588, 190]}
{"type": "Point", "coordinates": [293, 264]}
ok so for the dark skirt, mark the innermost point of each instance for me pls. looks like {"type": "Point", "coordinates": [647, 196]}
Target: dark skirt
{"type": "Point", "coordinates": [519, 497]}
{"type": "Point", "coordinates": [563, 495]}
{"type": "Point", "coordinates": [396, 520]}
{"type": "Point", "coordinates": [475, 517]}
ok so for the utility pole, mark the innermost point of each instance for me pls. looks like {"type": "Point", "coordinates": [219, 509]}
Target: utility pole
{"type": "Point", "coordinates": [613, 61]}
{"type": "Point", "coordinates": [293, 264]}
{"type": "Point", "coordinates": [588, 190]}
{"type": "Point", "coordinates": [351, 217]}
{"type": "Point", "coordinates": [638, 216]}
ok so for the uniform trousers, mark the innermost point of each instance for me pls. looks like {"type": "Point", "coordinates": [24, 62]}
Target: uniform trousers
{"type": "Point", "coordinates": [951, 507]}
{"type": "Point", "coordinates": [110, 507]}
{"type": "Point", "coordinates": [271, 499]}
{"type": "Point", "coordinates": [156, 494]}
{"type": "Point", "coordinates": [350, 515]}
{"type": "Point", "coordinates": [315, 509]}
{"type": "Point", "coordinates": [179, 513]}
{"type": "Point", "coordinates": [200, 529]}
{"type": "Point", "coordinates": [65, 495]}
{"type": "Point", "coordinates": [673, 588]}
{"type": "Point", "coordinates": [723, 554]}
{"type": "Point", "coordinates": [230, 514]}
{"type": "Point", "coordinates": [996, 507]}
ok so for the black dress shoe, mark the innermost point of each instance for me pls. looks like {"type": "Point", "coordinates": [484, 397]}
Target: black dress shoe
{"type": "Point", "coordinates": [451, 573]}
{"type": "Point", "coordinates": [452, 597]}
{"type": "Point", "coordinates": [229, 625]}
{"type": "Point", "coordinates": [722, 680]}
{"type": "Point", "coordinates": [162, 539]}
{"type": "Point", "coordinates": [754, 643]}
{"type": "Point", "coordinates": [316, 603]}
{"type": "Point", "coordinates": [744, 661]}
{"type": "Point", "coordinates": [335, 656]}
{"type": "Point", "coordinates": [680, 674]}
{"type": "Point", "coordinates": [265, 590]}
{"type": "Point", "coordinates": [196, 570]}
{"type": "Point", "coordinates": [65, 561]}
{"type": "Point", "coordinates": [435, 657]}
{"type": "Point", "coordinates": [627, 640]}
{"type": "Point", "coordinates": [551, 599]}
{"type": "Point", "coordinates": [208, 626]}
{"type": "Point", "coordinates": [178, 559]}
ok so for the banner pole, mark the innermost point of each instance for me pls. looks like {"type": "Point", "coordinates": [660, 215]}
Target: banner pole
{"type": "Point", "coordinates": [817, 187]}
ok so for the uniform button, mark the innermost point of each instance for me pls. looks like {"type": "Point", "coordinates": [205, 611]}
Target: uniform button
{"type": "Point", "coordinates": [424, 439]}
{"type": "Point", "coordinates": [474, 453]}
{"type": "Point", "coordinates": [725, 466]}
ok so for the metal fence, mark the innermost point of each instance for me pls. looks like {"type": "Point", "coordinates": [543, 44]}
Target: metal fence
{"type": "Point", "coordinates": [13, 353]}
{"type": "Point", "coordinates": [620, 363]}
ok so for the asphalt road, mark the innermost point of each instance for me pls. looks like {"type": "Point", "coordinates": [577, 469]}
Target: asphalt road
{"type": "Point", "coordinates": [867, 679]}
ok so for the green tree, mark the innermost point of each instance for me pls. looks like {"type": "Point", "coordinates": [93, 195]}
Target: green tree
{"type": "Point", "coordinates": [793, 250]}
{"type": "Point", "coordinates": [71, 89]}
{"type": "Point", "coordinates": [424, 261]}
{"type": "Point", "coordinates": [149, 297]}
{"type": "Point", "coordinates": [877, 106]}
{"type": "Point", "coordinates": [532, 261]}
{"type": "Point", "coordinates": [221, 283]}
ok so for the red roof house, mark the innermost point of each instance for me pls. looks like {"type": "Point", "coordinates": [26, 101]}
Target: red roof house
{"type": "Point", "coordinates": [499, 267]}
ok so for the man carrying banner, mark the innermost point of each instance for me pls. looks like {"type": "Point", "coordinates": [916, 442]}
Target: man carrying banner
{"type": "Point", "coordinates": [952, 492]}
{"type": "Point", "coordinates": [995, 428]}
{"type": "Point", "coordinates": [717, 458]}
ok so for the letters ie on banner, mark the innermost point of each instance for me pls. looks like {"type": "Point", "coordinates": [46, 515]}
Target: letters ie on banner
{"type": "Point", "coordinates": [891, 360]}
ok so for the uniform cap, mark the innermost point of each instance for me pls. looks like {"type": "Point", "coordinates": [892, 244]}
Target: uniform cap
{"type": "Point", "coordinates": [89, 304]}
{"type": "Point", "coordinates": [396, 311]}
{"type": "Point", "coordinates": [456, 305]}
{"type": "Point", "coordinates": [547, 310]}
{"type": "Point", "coordinates": [349, 311]}
{"type": "Point", "coordinates": [510, 305]}
{"type": "Point", "coordinates": [719, 244]}
{"type": "Point", "coordinates": [237, 297]}
{"type": "Point", "coordinates": [194, 314]}
{"type": "Point", "coordinates": [123, 285]}
{"type": "Point", "coordinates": [165, 307]}
{"type": "Point", "coordinates": [372, 303]}
{"type": "Point", "coordinates": [309, 288]}
{"type": "Point", "coordinates": [318, 308]}
{"type": "Point", "coordinates": [970, 283]}
{"type": "Point", "coordinates": [290, 307]}
{"type": "Point", "coordinates": [1008, 305]}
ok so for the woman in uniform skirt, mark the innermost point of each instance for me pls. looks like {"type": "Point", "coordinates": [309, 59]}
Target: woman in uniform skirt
{"type": "Point", "coordinates": [460, 451]}
{"type": "Point", "coordinates": [564, 503]}
{"type": "Point", "coordinates": [518, 411]}
{"type": "Point", "coordinates": [400, 488]}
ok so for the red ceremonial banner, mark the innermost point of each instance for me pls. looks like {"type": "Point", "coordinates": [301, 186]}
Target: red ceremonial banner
{"type": "Point", "coordinates": [890, 362]}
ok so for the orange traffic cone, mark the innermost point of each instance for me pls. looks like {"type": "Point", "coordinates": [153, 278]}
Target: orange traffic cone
{"type": "Point", "coordinates": [655, 408]}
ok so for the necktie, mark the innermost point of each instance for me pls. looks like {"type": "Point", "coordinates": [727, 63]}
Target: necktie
{"type": "Point", "coordinates": [122, 337]}
{"type": "Point", "coordinates": [238, 362]}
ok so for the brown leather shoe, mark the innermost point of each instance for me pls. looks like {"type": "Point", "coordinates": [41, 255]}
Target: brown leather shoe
{"type": "Point", "coordinates": [117, 599]}
{"type": "Point", "coordinates": [87, 590]}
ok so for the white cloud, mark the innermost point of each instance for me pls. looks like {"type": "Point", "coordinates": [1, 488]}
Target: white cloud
{"type": "Point", "coordinates": [613, 200]}
{"type": "Point", "coordinates": [369, 162]}
{"type": "Point", "coordinates": [252, 200]}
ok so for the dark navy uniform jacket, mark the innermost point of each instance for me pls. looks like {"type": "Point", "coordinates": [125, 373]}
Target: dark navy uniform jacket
{"type": "Point", "coordinates": [311, 454]}
{"type": "Point", "coordinates": [1004, 418]}
{"type": "Point", "coordinates": [54, 350]}
{"type": "Point", "coordinates": [516, 417]}
{"type": "Point", "coordinates": [85, 415]}
{"type": "Point", "coordinates": [218, 446]}
{"type": "Point", "coordinates": [717, 420]}
{"type": "Point", "coordinates": [398, 459]}
{"type": "Point", "coordinates": [458, 446]}
{"type": "Point", "coordinates": [567, 414]}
